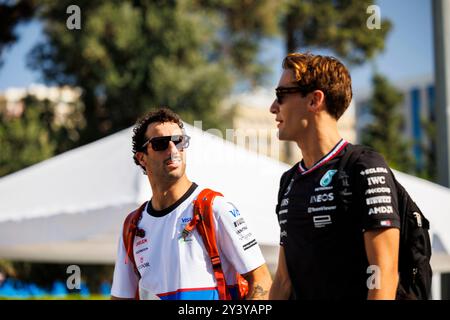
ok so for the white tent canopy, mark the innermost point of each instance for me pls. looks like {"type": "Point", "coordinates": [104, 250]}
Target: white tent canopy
{"type": "Point", "coordinates": [71, 208]}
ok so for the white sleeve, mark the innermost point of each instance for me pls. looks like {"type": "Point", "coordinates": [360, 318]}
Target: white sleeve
{"type": "Point", "coordinates": [125, 280]}
{"type": "Point", "coordinates": [234, 237]}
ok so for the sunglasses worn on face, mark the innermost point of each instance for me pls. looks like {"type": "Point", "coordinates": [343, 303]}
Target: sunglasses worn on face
{"type": "Point", "coordinates": [280, 92]}
{"type": "Point", "coordinates": [162, 143]}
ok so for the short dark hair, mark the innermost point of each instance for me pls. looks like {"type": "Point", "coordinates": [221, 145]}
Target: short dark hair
{"type": "Point", "coordinates": [160, 115]}
{"type": "Point", "coordinates": [315, 72]}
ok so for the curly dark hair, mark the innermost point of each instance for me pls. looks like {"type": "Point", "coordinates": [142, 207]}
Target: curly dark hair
{"type": "Point", "coordinates": [160, 115]}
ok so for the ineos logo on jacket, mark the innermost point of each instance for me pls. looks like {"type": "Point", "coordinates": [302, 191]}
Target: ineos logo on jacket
{"type": "Point", "coordinates": [322, 198]}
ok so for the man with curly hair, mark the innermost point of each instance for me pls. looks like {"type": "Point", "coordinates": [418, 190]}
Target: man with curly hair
{"type": "Point", "coordinates": [171, 263]}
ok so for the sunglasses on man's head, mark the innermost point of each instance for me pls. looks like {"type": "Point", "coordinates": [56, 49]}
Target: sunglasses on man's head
{"type": "Point", "coordinates": [181, 141]}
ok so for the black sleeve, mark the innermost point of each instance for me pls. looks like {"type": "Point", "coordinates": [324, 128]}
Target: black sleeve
{"type": "Point", "coordinates": [376, 194]}
{"type": "Point", "coordinates": [280, 191]}
{"type": "Point", "coordinates": [281, 208]}
{"type": "Point", "coordinates": [277, 208]}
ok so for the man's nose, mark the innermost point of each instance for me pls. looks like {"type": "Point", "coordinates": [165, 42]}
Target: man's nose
{"type": "Point", "coordinates": [172, 147]}
{"type": "Point", "coordinates": [275, 107]}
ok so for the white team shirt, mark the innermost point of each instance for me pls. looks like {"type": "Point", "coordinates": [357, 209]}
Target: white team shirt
{"type": "Point", "coordinates": [172, 267]}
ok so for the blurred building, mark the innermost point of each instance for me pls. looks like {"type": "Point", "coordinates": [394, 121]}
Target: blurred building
{"type": "Point", "coordinates": [254, 121]}
{"type": "Point", "coordinates": [12, 99]}
{"type": "Point", "coordinates": [418, 110]}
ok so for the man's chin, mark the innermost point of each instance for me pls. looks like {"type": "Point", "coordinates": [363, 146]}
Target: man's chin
{"type": "Point", "coordinates": [175, 172]}
{"type": "Point", "coordinates": [281, 136]}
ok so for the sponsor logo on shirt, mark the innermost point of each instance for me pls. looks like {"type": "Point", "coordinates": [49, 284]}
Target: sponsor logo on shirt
{"type": "Point", "coordinates": [373, 171]}
{"type": "Point", "coordinates": [378, 200]}
{"type": "Point", "coordinates": [239, 231]}
{"type": "Point", "coordinates": [378, 190]}
{"type": "Point", "coordinates": [344, 179]}
{"type": "Point", "coordinates": [184, 236]}
{"type": "Point", "coordinates": [327, 177]}
{"type": "Point", "coordinates": [324, 188]}
{"type": "Point", "coordinates": [186, 219]}
{"type": "Point", "coordinates": [382, 209]}
{"type": "Point", "coordinates": [385, 223]}
{"type": "Point", "coordinates": [244, 234]}
{"type": "Point", "coordinates": [284, 202]}
{"type": "Point", "coordinates": [144, 265]}
{"type": "Point", "coordinates": [234, 212]}
{"type": "Point", "coordinates": [376, 180]}
{"type": "Point", "coordinates": [322, 197]}
{"type": "Point", "coordinates": [322, 208]}
{"type": "Point", "coordinates": [321, 221]}
{"type": "Point", "coordinates": [239, 222]}
{"type": "Point", "coordinates": [141, 242]}
{"type": "Point", "coordinates": [141, 250]}
{"type": "Point", "coordinates": [288, 189]}
{"type": "Point", "coordinates": [250, 244]}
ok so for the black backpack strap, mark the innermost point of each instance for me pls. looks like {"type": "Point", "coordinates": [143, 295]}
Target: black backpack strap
{"type": "Point", "coordinates": [351, 156]}
{"type": "Point", "coordinates": [345, 173]}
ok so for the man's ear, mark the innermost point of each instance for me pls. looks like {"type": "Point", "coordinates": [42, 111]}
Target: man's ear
{"type": "Point", "coordinates": [141, 158]}
{"type": "Point", "coordinates": [316, 101]}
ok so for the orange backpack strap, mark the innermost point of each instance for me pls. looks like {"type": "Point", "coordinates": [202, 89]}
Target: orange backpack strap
{"type": "Point", "coordinates": [204, 222]}
{"type": "Point", "coordinates": [130, 228]}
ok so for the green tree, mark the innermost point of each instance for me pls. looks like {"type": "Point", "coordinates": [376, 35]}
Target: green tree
{"type": "Point", "coordinates": [384, 133]}
{"type": "Point", "coordinates": [25, 140]}
{"type": "Point", "coordinates": [337, 25]}
{"type": "Point", "coordinates": [36, 133]}
{"type": "Point", "coordinates": [242, 27]}
{"type": "Point", "coordinates": [130, 56]}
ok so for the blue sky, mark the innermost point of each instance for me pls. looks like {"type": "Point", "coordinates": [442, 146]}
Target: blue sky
{"type": "Point", "coordinates": [408, 50]}
{"type": "Point", "coordinates": [14, 72]}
